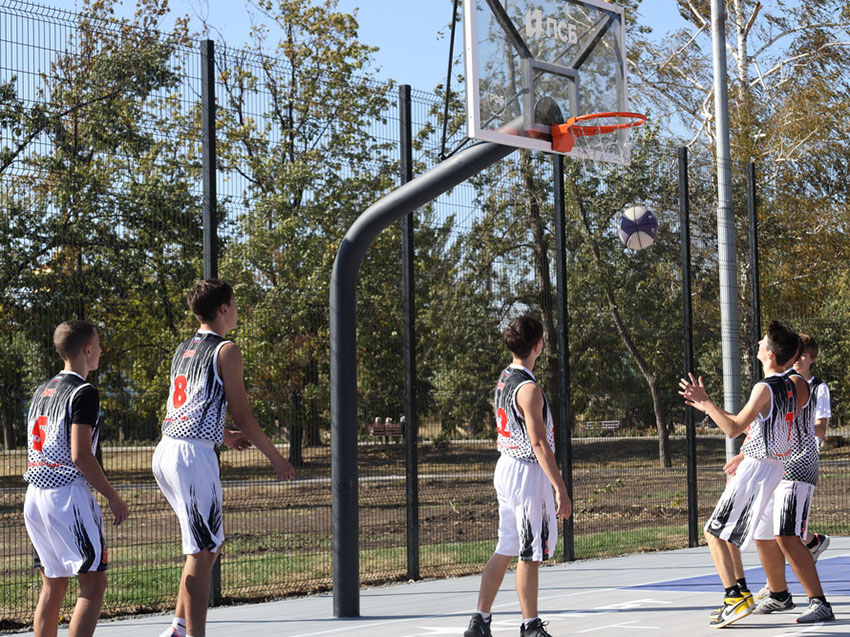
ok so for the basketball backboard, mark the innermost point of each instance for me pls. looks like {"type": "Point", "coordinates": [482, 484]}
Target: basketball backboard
{"type": "Point", "coordinates": [534, 63]}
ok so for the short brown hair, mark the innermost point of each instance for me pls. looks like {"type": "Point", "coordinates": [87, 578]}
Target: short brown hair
{"type": "Point", "coordinates": [522, 335]}
{"type": "Point", "coordinates": [783, 342]}
{"type": "Point", "coordinates": [810, 345]}
{"type": "Point", "coordinates": [70, 337]}
{"type": "Point", "coordinates": [206, 296]}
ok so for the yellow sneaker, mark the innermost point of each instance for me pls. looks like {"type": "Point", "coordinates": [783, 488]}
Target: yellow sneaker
{"type": "Point", "coordinates": [733, 609]}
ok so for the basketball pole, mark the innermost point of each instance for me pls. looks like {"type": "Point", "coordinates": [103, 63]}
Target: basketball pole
{"type": "Point", "coordinates": [343, 336]}
{"type": "Point", "coordinates": [729, 320]}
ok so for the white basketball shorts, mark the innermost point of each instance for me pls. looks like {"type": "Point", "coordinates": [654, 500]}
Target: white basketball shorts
{"type": "Point", "coordinates": [66, 529]}
{"type": "Point", "coordinates": [528, 526]}
{"type": "Point", "coordinates": [186, 471]}
{"type": "Point", "coordinates": [744, 501]}
{"type": "Point", "coordinates": [788, 511]}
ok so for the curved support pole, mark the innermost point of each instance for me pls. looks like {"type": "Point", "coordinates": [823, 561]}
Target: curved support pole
{"type": "Point", "coordinates": [343, 335]}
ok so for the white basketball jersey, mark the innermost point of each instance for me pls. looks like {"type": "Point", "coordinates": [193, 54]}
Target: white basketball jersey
{"type": "Point", "coordinates": [197, 405]}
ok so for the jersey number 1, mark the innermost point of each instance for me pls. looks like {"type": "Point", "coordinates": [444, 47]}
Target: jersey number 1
{"type": "Point", "coordinates": [179, 396]}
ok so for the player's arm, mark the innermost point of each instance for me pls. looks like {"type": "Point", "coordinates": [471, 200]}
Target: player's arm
{"type": "Point", "coordinates": [731, 467]}
{"type": "Point", "coordinates": [733, 425]}
{"type": "Point", "coordinates": [83, 458]}
{"type": "Point", "coordinates": [530, 401]}
{"type": "Point", "coordinates": [820, 427]}
{"type": "Point", "coordinates": [231, 369]}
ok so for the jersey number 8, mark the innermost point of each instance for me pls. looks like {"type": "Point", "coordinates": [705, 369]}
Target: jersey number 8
{"type": "Point", "coordinates": [178, 398]}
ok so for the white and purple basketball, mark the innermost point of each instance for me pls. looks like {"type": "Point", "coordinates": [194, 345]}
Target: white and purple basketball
{"type": "Point", "coordinates": [638, 228]}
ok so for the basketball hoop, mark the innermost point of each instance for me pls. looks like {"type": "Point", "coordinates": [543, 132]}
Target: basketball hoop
{"type": "Point", "coordinates": [577, 130]}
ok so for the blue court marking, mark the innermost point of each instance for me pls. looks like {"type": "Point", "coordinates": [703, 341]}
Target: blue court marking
{"type": "Point", "coordinates": [832, 570]}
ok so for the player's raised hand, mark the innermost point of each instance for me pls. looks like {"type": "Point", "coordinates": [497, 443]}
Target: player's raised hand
{"type": "Point", "coordinates": [694, 393]}
{"type": "Point", "coordinates": [236, 440]}
{"type": "Point", "coordinates": [283, 469]}
{"type": "Point", "coordinates": [119, 509]}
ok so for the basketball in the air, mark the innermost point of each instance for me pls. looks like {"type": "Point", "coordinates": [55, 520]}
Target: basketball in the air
{"type": "Point", "coordinates": [638, 228]}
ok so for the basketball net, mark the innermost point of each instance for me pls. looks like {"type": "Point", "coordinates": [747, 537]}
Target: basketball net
{"type": "Point", "coordinates": [603, 140]}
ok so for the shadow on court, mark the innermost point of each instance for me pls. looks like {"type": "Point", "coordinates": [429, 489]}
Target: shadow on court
{"type": "Point", "coordinates": [670, 593]}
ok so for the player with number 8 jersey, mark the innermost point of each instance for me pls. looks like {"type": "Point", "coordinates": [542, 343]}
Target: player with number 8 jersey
{"type": "Point", "coordinates": [206, 381]}
{"type": "Point", "coordinates": [196, 405]}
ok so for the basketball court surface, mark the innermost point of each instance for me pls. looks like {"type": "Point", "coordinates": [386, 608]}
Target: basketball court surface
{"type": "Point", "coordinates": [668, 594]}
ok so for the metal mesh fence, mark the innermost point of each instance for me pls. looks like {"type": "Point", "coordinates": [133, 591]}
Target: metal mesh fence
{"type": "Point", "coordinates": [101, 213]}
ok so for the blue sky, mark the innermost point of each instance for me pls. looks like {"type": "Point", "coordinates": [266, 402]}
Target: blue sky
{"type": "Point", "coordinates": [412, 35]}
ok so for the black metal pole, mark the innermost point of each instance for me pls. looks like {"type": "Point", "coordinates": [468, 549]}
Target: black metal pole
{"type": "Point", "coordinates": [688, 340]}
{"type": "Point", "coordinates": [210, 213]}
{"type": "Point", "coordinates": [209, 158]}
{"type": "Point", "coordinates": [752, 204]}
{"type": "Point", "coordinates": [409, 319]}
{"type": "Point", "coordinates": [343, 335]}
{"type": "Point", "coordinates": [565, 441]}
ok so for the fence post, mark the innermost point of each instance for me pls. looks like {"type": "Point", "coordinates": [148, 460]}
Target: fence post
{"type": "Point", "coordinates": [565, 442]}
{"type": "Point", "coordinates": [688, 340]}
{"type": "Point", "coordinates": [210, 213]}
{"type": "Point", "coordinates": [208, 141]}
{"type": "Point", "coordinates": [409, 320]}
{"type": "Point", "coordinates": [754, 267]}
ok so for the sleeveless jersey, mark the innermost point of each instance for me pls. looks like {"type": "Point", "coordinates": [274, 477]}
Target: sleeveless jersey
{"type": "Point", "coordinates": [513, 437]}
{"type": "Point", "coordinates": [54, 408]}
{"type": "Point", "coordinates": [771, 436]}
{"type": "Point", "coordinates": [801, 465]}
{"type": "Point", "coordinates": [196, 402]}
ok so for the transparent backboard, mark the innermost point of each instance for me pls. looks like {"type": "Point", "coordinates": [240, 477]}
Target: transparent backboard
{"type": "Point", "coordinates": [534, 63]}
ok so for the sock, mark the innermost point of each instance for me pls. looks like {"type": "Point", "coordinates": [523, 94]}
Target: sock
{"type": "Point", "coordinates": [485, 616]}
{"type": "Point", "coordinates": [742, 585]}
{"type": "Point", "coordinates": [821, 598]}
{"type": "Point", "coordinates": [815, 541]}
{"type": "Point", "coordinates": [527, 622]}
{"type": "Point", "coordinates": [733, 591]}
{"type": "Point", "coordinates": [781, 596]}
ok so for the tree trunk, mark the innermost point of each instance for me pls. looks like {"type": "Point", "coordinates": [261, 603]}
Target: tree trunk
{"type": "Point", "coordinates": [626, 337]}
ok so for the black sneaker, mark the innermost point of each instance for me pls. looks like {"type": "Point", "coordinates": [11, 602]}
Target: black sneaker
{"type": "Point", "coordinates": [478, 627]}
{"type": "Point", "coordinates": [534, 629]}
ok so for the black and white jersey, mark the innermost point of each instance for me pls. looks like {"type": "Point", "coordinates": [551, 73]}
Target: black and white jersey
{"type": "Point", "coordinates": [801, 465]}
{"type": "Point", "coordinates": [770, 436]}
{"type": "Point", "coordinates": [64, 400]}
{"type": "Point", "coordinates": [196, 402]}
{"type": "Point", "coordinates": [513, 437]}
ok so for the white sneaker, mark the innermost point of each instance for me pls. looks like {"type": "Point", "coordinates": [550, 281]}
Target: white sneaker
{"type": "Point", "coordinates": [171, 631]}
{"type": "Point", "coordinates": [772, 605]}
{"type": "Point", "coordinates": [817, 611]}
{"type": "Point", "coordinates": [764, 593]}
{"type": "Point", "coordinates": [820, 547]}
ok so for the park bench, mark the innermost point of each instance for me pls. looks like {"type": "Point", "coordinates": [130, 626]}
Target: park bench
{"type": "Point", "coordinates": [386, 429]}
{"type": "Point", "coordinates": [602, 425]}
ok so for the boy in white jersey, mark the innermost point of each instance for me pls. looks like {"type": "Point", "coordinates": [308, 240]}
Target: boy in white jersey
{"type": "Point", "coordinates": [62, 517]}
{"type": "Point", "coordinates": [767, 418]}
{"type": "Point", "coordinates": [525, 475]}
{"type": "Point", "coordinates": [206, 379]}
{"type": "Point", "coordinates": [791, 503]}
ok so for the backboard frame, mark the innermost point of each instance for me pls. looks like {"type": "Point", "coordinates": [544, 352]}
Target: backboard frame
{"type": "Point", "coordinates": [536, 136]}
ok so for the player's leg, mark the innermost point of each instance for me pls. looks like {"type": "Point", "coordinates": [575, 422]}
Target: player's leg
{"type": "Point", "coordinates": [527, 584]}
{"type": "Point", "coordinates": [801, 562]}
{"type": "Point", "coordinates": [45, 621]}
{"type": "Point", "coordinates": [721, 556]}
{"type": "Point", "coordinates": [491, 580]}
{"type": "Point", "coordinates": [89, 603]}
{"type": "Point", "coordinates": [773, 562]}
{"type": "Point", "coordinates": [195, 589]}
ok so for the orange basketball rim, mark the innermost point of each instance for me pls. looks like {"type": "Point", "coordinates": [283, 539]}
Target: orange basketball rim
{"type": "Point", "coordinates": [564, 135]}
